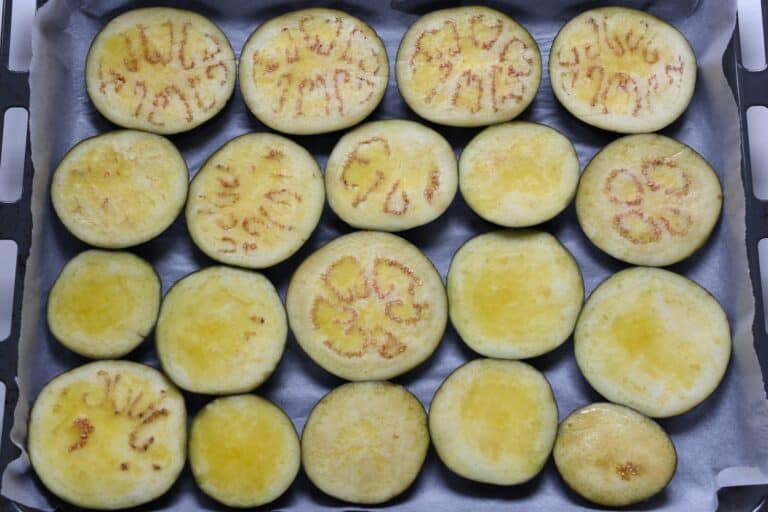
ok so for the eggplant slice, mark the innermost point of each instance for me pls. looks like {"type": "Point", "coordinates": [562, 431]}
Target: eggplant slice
{"type": "Point", "coordinates": [120, 189]}
{"type": "Point", "coordinates": [648, 200]}
{"type": "Point", "coordinates": [468, 66]}
{"type": "Point", "coordinates": [518, 174]}
{"type": "Point", "coordinates": [365, 442]}
{"type": "Point", "coordinates": [313, 71]}
{"type": "Point", "coordinates": [108, 435]}
{"type": "Point", "coordinates": [367, 305]}
{"type": "Point", "coordinates": [221, 330]}
{"type": "Point", "coordinates": [652, 340]}
{"type": "Point", "coordinates": [160, 69]}
{"type": "Point", "coordinates": [243, 450]}
{"type": "Point", "coordinates": [494, 421]}
{"type": "Point", "coordinates": [103, 304]}
{"type": "Point", "coordinates": [391, 175]}
{"type": "Point", "coordinates": [622, 70]}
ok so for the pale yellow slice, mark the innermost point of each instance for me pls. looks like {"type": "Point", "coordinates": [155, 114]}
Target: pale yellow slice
{"type": "Point", "coordinates": [103, 304]}
{"type": "Point", "coordinates": [313, 71]}
{"type": "Point", "coordinates": [221, 330]}
{"type": "Point", "coordinates": [365, 442]}
{"type": "Point", "coordinates": [653, 340]}
{"type": "Point", "coordinates": [514, 294]}
{"type": "Point", "coordinates": [468, 66]}
{"type": "Point", "coordinates": [622, 70]}
{"type": "Point", "coordinates": [518, 174]}
{"type": "Point", "coordinates": [255, 201]}
{"type": "Point", "coordinates": [391, 175]}
{"type": "Point", "coordinates": [120, 189]}
{"type": "Point", "coordinates": [367, 306]}
{"type": "Point", "coordinates": [160, 70]}
{"type": "Point", "coordinates": [243, 450]}
{"type": "Point", "coordinates": [494, 421]}
{"type": "Point", "coordinates": [648, 200]}
{"type": "Point", "coordinates": [613, 456]}
{"type": "Point", "coordinates": [108, 435]}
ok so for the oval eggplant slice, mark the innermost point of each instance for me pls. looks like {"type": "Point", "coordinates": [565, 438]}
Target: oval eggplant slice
{"type": "Point", "coordinates": [518, 174]}
{"type": "Point", "coordinates": [367, 306]}
{"type": "Point", "coordinates": [160, 70]}
{"type": "Point", "coordinates": [622, 70]}
{"type": "Point", "coordinates": [613, 456]}
{"type": "Point", "coordinates": [391, 175]}
{"type": "Point", "coordinates": [103, 304]}
{"type": "Point", "coordinates": [120, 189]}
{"type": "Point", "coordinates": [494, 421]}
{"type": "Point", "coordinates": [243, 450]}
{"type": "Point", "coordinates": [255, 201]}
{"type": "Point", "coordinates": [648, 200]}
{"type": "Point", "coordinates": [514, 294]}
{"type": "Point", "coordinates": [221, 330]}
{"type": "Point", "coordinates": [313, 71]}
{"type": "Point", "coordinates": [652, 340]}
{"type": "Point", "coordinates": [108, 435]}
{"type": "Point", "coordinates": [468, 66]}
{"type": "Point", "coordinates": [365, 442]}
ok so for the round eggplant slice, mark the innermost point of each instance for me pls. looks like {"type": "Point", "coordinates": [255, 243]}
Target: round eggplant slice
{"type": "Point", "coordinates": [103, 304]}
{"type": "Point", "coordinates": [367, 306]}
{"type": "Point", "coordinates": [160, 70]}
{"type": "Point", "coordinates": [622, 70]}
{"type": "Point", "coordinates": [255, 201]}
{"type": "Point", "coordinates": [648, 200]}
{"type": "Point", "coordinates": [494, 421]}
{"type": "Point", "coordinates": [652, 340]}
{"type": "Point", "coordinates": [365, 442]}
{"type": "Point", "coordinates": [514, 294]}
{"type": "Point", "coordinates": [243, 450]}
{"type": "Point", "coordinates": [120, 189]}
{"type": "Point", "coordinates": [468, 66]}
{"type": "Point", "coordinates": [313, 71]}
{"type": "Point", "coordinates": [391, 175]}
{"type": "Point", "coordinates": [221, 330]}
{"type": "Point", "coordinates": [108, 435]}
{"type": "Point", "coordinates": [518, 174]}
{"type": "Point", "coordinates": [613, 456]}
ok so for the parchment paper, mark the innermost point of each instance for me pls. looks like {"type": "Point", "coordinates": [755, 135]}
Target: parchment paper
{"type": "Point", "coordinates": [723, 442]}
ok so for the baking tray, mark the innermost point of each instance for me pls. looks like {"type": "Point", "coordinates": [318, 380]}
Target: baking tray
{"type": "Point", "coordinates": [749, 88]}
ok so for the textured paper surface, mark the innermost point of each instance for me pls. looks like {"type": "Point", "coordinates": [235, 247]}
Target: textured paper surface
{"type": "Point", "coordinates": [723, 442]}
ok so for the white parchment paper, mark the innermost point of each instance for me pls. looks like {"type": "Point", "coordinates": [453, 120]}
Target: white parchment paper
{"type": "Point", "coordinates": [723, 442]}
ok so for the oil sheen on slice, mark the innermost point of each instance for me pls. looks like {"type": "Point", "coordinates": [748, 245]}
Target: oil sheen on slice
{"type": "Point", "coordinates": [313, 71]}
{"type": "Point", "coordinates": [468, 66]}
{"type": "Point", "coordinates": [160, 70]}
{"type": "Point", "coordinates": [367, 305]}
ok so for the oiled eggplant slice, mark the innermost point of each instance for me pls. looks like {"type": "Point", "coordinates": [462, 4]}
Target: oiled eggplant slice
{"type": "Point", "coordinates": [120, 189]}
{"type": "Point", "coordinates": [391, 175]}
{"type": "Point", "coordinates": [648, 200]}
{"type": "Point", "coordinates": [365, 442]}
{"type": "Point", "coordinates": [243, 450]}
{"type": "Point", "coordinates": [108, 435]}
{"type": "Point", "coordinates": [366, 306]}
{"type": "Point", "coordinates": [652, 340]}
{"type": "Point", "coordinates": [514, 294]}
{"type": "Point", "coordinates": [518, 174]}
{"type": "Point", "coordinates": [313, 71]}
{"type": "Point", "coordinates": [160, 70]}
{"type": "Point", "coordinates": [613, 456]}
{"type": "Point", "coordinates": [255, 201]}
{"type": "Point", "coordinates": [468, 66]}
{"type": "Point", "coordinates": [221, 330]}
{"type": "Point", "coordinates": [622, 70]}
{"type": "Point", "coordinates": [103, 304]}
{"type": "Point", "coordinates": [494, 421]}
